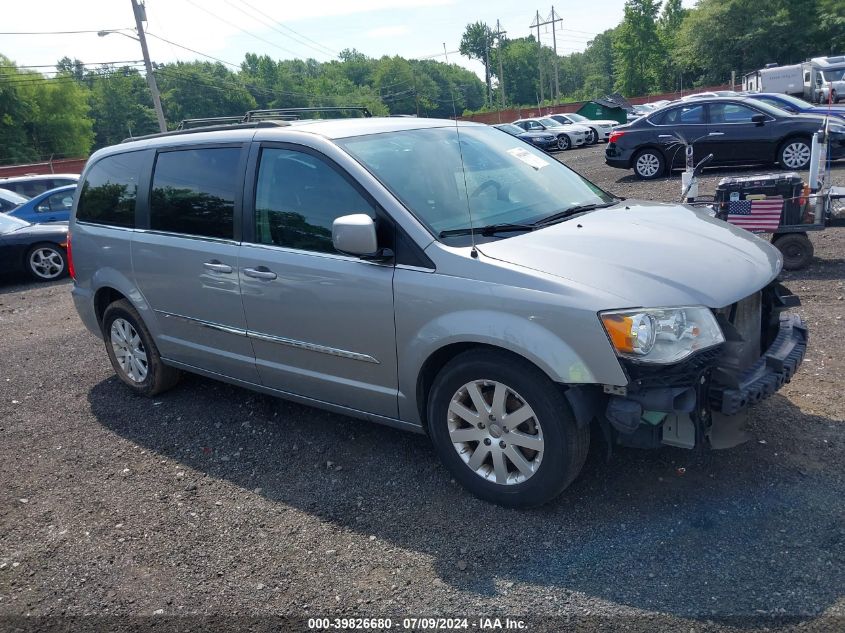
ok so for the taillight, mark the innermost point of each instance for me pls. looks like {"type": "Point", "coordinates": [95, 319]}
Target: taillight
{"type": "Point", "coordinates": [614, 136]}
{"type": "Point", "coordinates": [70, 269]}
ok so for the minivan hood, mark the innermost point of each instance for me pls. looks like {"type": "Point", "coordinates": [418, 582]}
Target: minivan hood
{"type": "Point", "coordinates": [649, 254]}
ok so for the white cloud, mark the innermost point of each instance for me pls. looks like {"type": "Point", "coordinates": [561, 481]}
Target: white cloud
{"type": "Point", "coordinates": [387, 31]}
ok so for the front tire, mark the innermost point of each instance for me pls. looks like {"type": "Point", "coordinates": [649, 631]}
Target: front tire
{"type": "Point", "coordinates": [649, 164]}
{"type": "Point", "coordinates": [594, 137]}
{"type": "Point", "coordinates": [563, 143]}
{"type": "Point", "coordinates": [133, 353]}
{"type": "Point", "coordinates": [46, 262]}
{"type": "Point", "coordinates": [795, 154]}
{"type": "Point", "coordinates": [504, 429]}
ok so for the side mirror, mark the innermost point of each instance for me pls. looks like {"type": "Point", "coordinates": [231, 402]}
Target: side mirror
{"type": "Point", "coordinates": [758, 119]}
{"type": "Point", "coordinates": [356, 235]}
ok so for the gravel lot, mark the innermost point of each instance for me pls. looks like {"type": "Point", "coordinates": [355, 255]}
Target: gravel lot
{"type": "Point", "coordinates": [215, 500]}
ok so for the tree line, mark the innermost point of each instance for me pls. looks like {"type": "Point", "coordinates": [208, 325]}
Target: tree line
{"type": "Point", "coordinates": [80, 109]}
{"type": "Point", "coordinates": [661, 47]}
{"type": "Point", "coordinates": [658, 47]}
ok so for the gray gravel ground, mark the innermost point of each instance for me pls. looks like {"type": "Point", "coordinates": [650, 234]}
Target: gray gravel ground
{"type": "Point", "coordinates": [213, 500]}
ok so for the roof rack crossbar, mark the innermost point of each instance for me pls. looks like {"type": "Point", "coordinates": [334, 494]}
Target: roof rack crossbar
{"type": "Point", "coordinates": [293, 113]}
{"type": "Point", "coordinates": [185, 124]}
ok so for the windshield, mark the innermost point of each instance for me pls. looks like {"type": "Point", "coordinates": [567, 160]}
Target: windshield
{"type": "Point", "coordinates": [798, 103]}
{"type": "Point", "coordinates": [576, 117]}
{"type": "Point", "coordinates": [549, 122]}
{"type": "Point", "coordinates": [11, 196]}
{"type": "Point", "coordinates": [510, 128]}
{"type": "Point", "coordinates": [770, 109]}
{"type": "Point", "coordinates": [834, 75]}
{"type": "Point", "coordinates": [9, 223]}
{"type": "Point", "coordinates": [496, 178]}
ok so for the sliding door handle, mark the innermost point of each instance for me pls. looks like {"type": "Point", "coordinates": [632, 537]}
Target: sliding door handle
{"type": "Point", "coordinates": [260, 273]}
{"type": "Point", "coordinates": [217, 267]}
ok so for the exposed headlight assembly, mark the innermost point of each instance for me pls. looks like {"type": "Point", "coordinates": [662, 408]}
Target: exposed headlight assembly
{"type": "Point", "coordinates": [661, 335]}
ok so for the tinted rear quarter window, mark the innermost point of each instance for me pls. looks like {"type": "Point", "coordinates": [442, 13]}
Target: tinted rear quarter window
{"type": "Point", "coordinates": [110, 190]}
{"type": "Point", "coordinates": [194, 192]}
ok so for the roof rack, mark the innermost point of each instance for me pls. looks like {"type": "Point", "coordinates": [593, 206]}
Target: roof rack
{"type": "Point", "coordinates": [209, 128]}
{"type": "Point", "coordinates": [252, 119]}
{"type": "Point", "coordinates": [292, 114]}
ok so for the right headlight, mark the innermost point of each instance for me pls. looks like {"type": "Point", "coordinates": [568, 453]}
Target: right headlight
{"type": "Point", "coordinates": [661, 335]}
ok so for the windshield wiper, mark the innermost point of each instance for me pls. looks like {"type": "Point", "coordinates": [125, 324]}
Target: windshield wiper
{"type": "Point", "coordinates": [578, 208]}
{"type": "Point", "coordinates": [490, 229]}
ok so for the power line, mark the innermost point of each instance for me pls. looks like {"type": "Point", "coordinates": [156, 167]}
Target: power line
{"type": "Point", "coordinates": [125, 61]}
{"type": "Point", "coordinates": [322, 50]}
{"type": "Point", "coordinates": [52, 32]}
{"type": "Point", "coordinates": [229, 23]}
{"type": "Point", "coordinates": [217, 59]}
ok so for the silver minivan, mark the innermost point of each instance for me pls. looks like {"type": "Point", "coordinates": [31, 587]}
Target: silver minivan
{"type": "Point", "coordinates": [437, 277]}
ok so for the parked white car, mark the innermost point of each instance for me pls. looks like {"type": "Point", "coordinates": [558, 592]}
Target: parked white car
{"type": "Point", "coordinates": [568, 136]}
{"type": "Point", "coordinates": [600, 129]}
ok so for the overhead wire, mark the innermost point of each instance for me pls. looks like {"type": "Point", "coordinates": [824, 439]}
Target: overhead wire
{"type": "Point", "coordinates": [324, 51]}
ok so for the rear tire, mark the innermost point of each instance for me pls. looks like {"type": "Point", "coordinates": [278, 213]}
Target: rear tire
{"type": "Point", "coordinates": [649, 164]}
{"type": "Point", "coordinates": [795, 154]}
{"type": "Point", "coordinates": [796, 248]}
{"type": "Point", "coordinates": [525, 464]}
{"type": "Point", "coordinates": [46, 262]}
{"type": "Point", "coordinates": [133, 353]}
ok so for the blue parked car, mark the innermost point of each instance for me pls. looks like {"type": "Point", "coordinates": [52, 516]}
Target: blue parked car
{"type": "Point", "coordinates": [796, 105]}
{"type": "Point", "coordinates": [51, 206]}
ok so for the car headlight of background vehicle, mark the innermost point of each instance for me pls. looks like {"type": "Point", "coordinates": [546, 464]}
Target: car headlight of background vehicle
{"type": "Point", "coordinates": [661, 335]}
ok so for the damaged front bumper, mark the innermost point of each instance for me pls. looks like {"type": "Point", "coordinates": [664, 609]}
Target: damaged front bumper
{"type": "Point", "coordinates": [703, 399]}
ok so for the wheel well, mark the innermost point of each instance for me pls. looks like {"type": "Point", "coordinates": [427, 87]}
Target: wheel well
{"type": "Point", "coordinates": [102, 299]}
{"type": "Point", "coordinates": [434, 363]}
{"type": "Point", "coordinates": [794, 137]}
{"type": "Point", "coordinates": [656, 150]}
{"type": "Point", "coordinates": [32, 247]}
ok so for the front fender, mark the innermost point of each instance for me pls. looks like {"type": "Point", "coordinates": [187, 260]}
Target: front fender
{"type": "Point", "coordinates": [528, 323]}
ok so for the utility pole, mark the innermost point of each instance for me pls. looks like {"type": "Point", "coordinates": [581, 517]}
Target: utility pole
{"type": "Point", "coordinates": [536, 23]}
{"type": "Point", "coordinates": [140, 18]}
{"type": "Point", "coordinates": [499, 34]}
{"type": "Point", "coordinates": [552, 19]}
{"type": "Point", "coordinates": [487, 67]}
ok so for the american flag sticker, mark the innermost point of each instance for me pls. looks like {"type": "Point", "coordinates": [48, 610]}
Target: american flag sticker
{"type": "Point", "coordinates": [756, 215]}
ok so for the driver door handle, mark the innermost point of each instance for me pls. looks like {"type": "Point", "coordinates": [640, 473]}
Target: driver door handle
{"type": "Point", "coordinates": [217, 267]}
{"type": "Point", "coordinates": [260, 273]}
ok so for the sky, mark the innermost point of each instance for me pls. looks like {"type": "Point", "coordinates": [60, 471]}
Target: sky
{"type": "Point", "coordinates": [282, 29]}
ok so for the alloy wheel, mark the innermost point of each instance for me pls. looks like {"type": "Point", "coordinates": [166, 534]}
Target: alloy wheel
{"type": "Point", "coordinates": [129, 350]}
{"type": "Point", "coordinates": [563, 142]}
{"type": "Point", "coordinates": [796, 155]}
{"type": "Point", "coordinates": [648, 165]}
{"type": "Point", "coordinates": [495, 432]}
{"type": "Point", "coordinates": [46, 262]}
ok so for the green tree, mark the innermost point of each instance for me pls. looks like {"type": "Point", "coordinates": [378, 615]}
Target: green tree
{"type": "Point", "coordinates": [476, 43]}
{"type": "Point", "coordinates": [637, 48]}
{"type": "Point", "coordinates": [121, 105]}
{"type": "Point", "coordinates": [201, 89]}
{"type": "Point", "coordinates": [598, 67]}
{"type": "Point", "coordinates": [669, 31]}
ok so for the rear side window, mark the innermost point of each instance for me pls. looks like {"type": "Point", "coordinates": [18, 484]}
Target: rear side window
{"type": "Point", "coordinates": [682, 114]}
{"type": "Point", "coordinates": [194, 192]}
{"type": "Point", "coordinates": [110, 190]}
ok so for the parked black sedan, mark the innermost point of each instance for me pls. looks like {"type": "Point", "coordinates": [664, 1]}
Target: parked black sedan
{"type": "Point", "coordinates": [39, 249]}
{"type": "Point", "coordinates": [543, 140]}
{"type": "Point", "coordinates": [736, 130]}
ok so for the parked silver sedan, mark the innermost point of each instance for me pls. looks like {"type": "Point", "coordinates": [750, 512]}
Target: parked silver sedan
{"type": "Point", "coordinates": [568, 136]}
